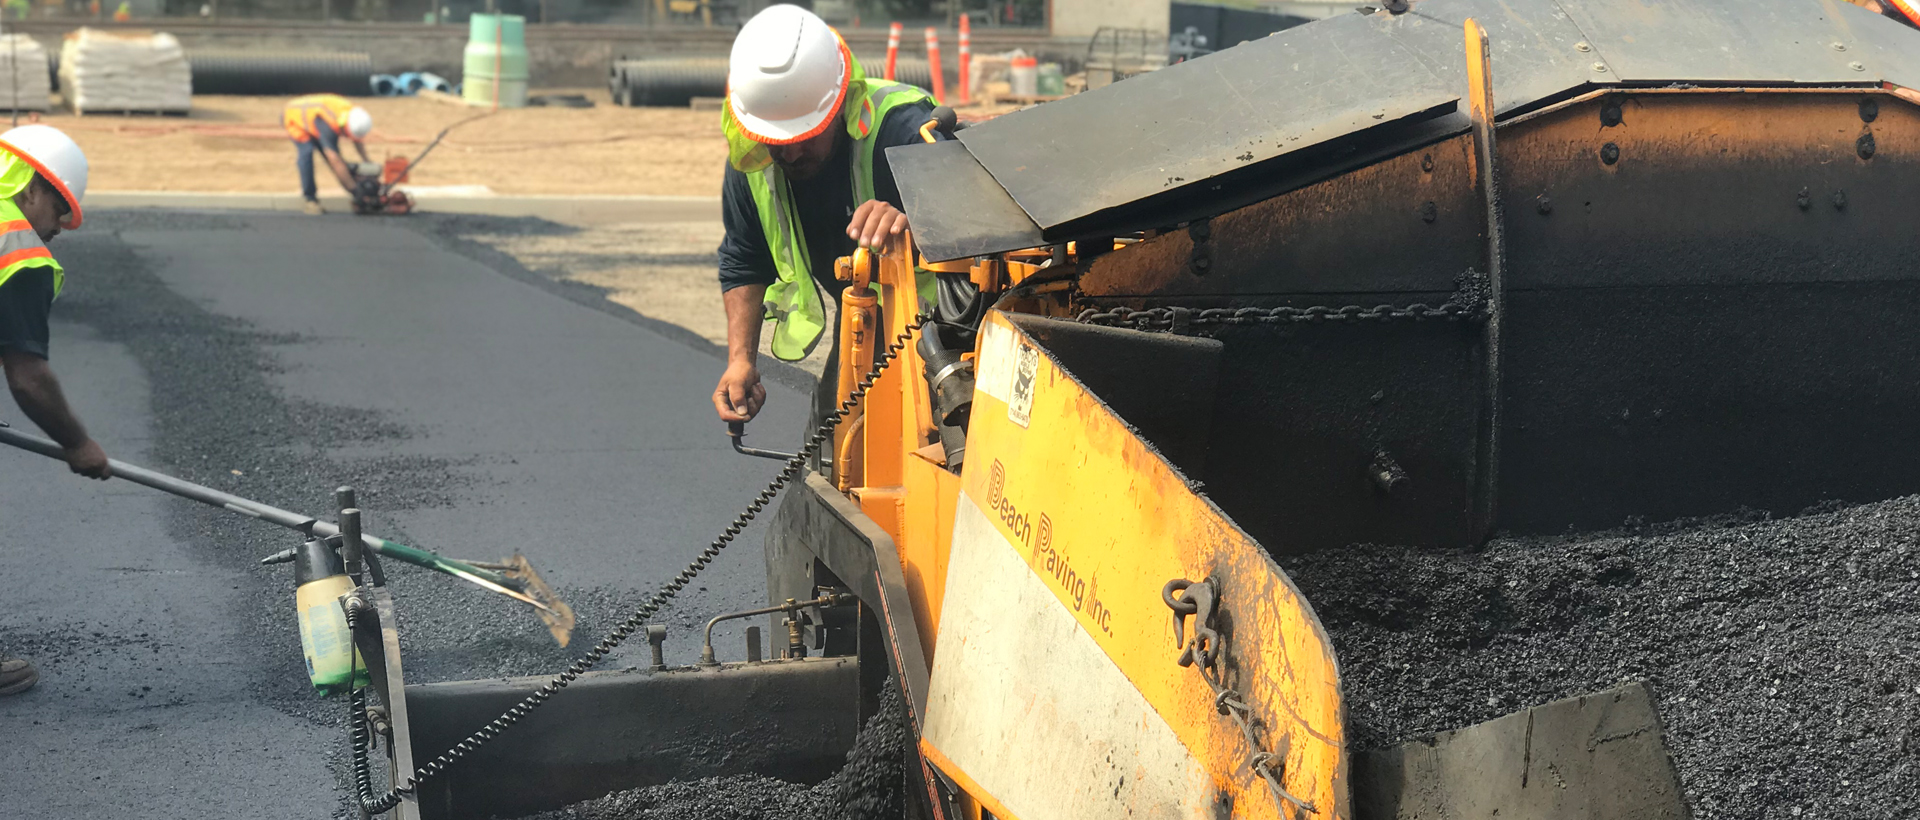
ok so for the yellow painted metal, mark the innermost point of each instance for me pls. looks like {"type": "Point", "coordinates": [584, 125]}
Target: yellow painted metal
{"type": "Point", "coordinates": [859, 321]}
{"type": "Point", "coordinates": [1105, 522]}
{"type": "Point", "coordinates": [880, 455]}
{"type": "Point", "coordinates": [926, 520]}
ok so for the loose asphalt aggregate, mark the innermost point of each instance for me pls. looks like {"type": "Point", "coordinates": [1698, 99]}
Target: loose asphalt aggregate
{"type": "Point", "coordinates": [1784, 653]}
{"type": "Point", "coordinates": [870, 787]}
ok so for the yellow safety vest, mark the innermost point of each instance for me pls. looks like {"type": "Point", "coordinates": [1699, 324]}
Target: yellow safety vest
{"type": "Point", "coordinates": [793, 302]}
{"type": "Point", "coordinates": [20, 246]}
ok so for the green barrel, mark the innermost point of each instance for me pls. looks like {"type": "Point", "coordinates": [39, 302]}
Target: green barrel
{"type": "Point", "coordinates": [496, 45]}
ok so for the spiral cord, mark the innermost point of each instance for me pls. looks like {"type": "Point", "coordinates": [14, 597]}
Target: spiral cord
{"type": "Point", "coordinates": [792, 469]}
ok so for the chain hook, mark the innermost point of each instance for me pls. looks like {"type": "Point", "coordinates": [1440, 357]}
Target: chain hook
{"type": "Point", "coordinates": [1197, 600]}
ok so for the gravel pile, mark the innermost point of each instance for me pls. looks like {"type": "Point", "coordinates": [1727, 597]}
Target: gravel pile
{"type": "Point", "coordinates": [869, 787]}
{"type": "Point", "coordinates": [1784, 654]}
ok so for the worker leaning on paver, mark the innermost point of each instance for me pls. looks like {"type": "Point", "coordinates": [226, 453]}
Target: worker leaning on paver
{"type": "Point", "coordinates": [807, 182]}
{"type": "Point", "coordinates": [316, 122]}
{"type": "Point", "coordinates": [42, 177]}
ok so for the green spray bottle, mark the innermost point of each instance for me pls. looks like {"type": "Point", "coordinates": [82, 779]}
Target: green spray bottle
{"type": "Point", "coordinates": [320, 578]}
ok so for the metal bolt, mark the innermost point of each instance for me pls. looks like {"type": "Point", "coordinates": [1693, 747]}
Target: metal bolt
{"type": "Point", "coordinates": [1385, 472]}
{"type": "Point", "coordinates": [1600, 68]}
{"type": "Point", "coordinates": [1864, 145]}
{"type": "Point", "coordinates": [1869, 110]}
{"type": "Point", "coordinates": [1429, 212]}
{"type": "Point", "coordinates": [1805, 199]}
{"type": "Point", "coordinates": [1200, 230]}
{"type": "Point", "coordinates": [1582, 46]}
{"type": "Point", "coordinates": [1610, 153]}
{"type": "Point", "coordinates": [657, 639]}
{"type": "Point", "coordinates": [1839, 200]}
{"type": "Point", "coordinates": [1426, 163]}
{"type": "Point", "coordinates": [1200, 261]}
{"type": "Point", "coordinates": [1857, 65]}
{"type": "Point", "coordinates": [1839, 46]}
{"type": "Point", "coordinates": [1545, 205]}
{"type": "Point", "coordinates": [1610, 114]}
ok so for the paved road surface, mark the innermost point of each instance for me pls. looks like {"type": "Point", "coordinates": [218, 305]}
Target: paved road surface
{"type": "Point", "coordinates": [276, 357]}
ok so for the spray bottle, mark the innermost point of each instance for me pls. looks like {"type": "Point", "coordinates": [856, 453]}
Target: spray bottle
{"type": "Point", "coordinates": [320, 579]}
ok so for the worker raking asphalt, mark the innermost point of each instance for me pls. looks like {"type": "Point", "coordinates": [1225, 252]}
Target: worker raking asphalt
{"type": "Point", "coordinates": [1782, 652]}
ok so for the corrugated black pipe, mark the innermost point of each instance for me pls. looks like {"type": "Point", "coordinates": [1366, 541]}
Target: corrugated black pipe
{"type": "Point", "coordinates": [228, 72]}
{"type": "Point", "coordinates": [676, 81]}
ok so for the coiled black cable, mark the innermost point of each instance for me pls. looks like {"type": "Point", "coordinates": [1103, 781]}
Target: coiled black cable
{"type": "Point", "coordinates": [360, 734]}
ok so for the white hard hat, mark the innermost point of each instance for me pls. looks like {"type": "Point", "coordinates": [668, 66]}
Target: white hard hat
{"type": "Point", "coordinates": [787, 75]}
{"type": "Point", "coordinates": [57, 158]}
{"type": "Point", "coordinates": [359, 122]}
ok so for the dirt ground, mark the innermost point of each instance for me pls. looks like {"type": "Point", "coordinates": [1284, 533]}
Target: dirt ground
{"type": "Point", "coordinates": [237, 144]}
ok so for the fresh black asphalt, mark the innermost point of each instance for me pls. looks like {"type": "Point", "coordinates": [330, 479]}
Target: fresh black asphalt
{"type": "Point", "coordinates": [279, 356]}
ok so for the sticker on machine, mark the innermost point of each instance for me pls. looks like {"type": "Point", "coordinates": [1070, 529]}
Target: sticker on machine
{"type": "Point", "coordinates": [994, 374]}
{"type": "Point", "coordinates": [1026, 366]}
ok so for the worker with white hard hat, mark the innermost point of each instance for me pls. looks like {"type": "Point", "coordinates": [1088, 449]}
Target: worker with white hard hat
{"type": "Point", "coordinates": [316, 123]}
{"type": "Point", "coordinates": [43, 175]}
{"type": "Point", "coordinates": [807, 182]}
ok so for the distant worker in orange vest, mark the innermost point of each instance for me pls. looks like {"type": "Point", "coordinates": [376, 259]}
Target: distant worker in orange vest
{"type": "Point", "coordinates": [316, 122]}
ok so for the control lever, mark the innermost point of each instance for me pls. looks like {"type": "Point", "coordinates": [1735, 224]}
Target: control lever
{"type": "Point", "coordinates": [737, 430]}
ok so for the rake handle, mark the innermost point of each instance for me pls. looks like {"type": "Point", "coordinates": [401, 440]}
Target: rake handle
{"type": "Point", "coordinates": [253, 509]}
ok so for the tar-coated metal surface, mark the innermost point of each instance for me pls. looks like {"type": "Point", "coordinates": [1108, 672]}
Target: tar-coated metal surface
{"type": "Point", "coordinates": [1191, 122]}
{"type": "Point", "coordinates": [950, 224]}
{"type": "Point", "coordinates": [277, 357]}
{"type": "Point", "coordinates": [1214, 123]}
{"type": "Point", "coordinates": [1704, 41]}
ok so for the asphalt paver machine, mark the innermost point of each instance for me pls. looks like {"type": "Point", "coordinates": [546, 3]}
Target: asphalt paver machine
{"type": "Point", "coordinates": [1412, 276]}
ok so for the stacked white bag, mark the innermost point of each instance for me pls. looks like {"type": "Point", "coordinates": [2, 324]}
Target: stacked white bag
{"type": "Point", "coordinates": [116, 71]}
{"type": "Point", "coordinates": [24, 84]}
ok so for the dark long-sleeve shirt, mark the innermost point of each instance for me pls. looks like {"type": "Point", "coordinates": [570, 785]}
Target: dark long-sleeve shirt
{"type": "Point", "coordinates": [26, 299]}
{"type": "Point", "coordinates": [824, 203]}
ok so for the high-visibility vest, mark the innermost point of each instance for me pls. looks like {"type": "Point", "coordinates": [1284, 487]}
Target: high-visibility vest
{"type": "Point", "coordinates": [20, 246]}
{"type": "Point", "coordinates": [303, 112]}
{"type": "Point", "coordinates": [793, 302]}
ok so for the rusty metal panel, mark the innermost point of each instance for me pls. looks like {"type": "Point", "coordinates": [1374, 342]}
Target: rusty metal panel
{"type": "Point", "coordinates": [1407, 224]}
{"type": "Point", "coordinates": [1694, 274]}
{"type": "Point", "coordinates": [956, 208]}
{"type": "Point", "coordinates": [1712, 187]}
{"type": "Point", "coordinates": [1714, 41]}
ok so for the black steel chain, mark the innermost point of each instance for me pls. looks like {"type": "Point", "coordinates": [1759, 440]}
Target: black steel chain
{"type": "Point", "coordinates": [1468, 303]}
{"type": "Point", "coordinates": [1198, 600]}
{"type": "Point", "coordinates": [792, 469]}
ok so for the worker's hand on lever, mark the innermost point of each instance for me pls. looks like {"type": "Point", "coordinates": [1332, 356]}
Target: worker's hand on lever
{"type": "Point", "coordinates": [88, 460]}
{"type": "Point", "coordinates": [740, 395]}
{"type": "Point", "coordinates": [876, 224]}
